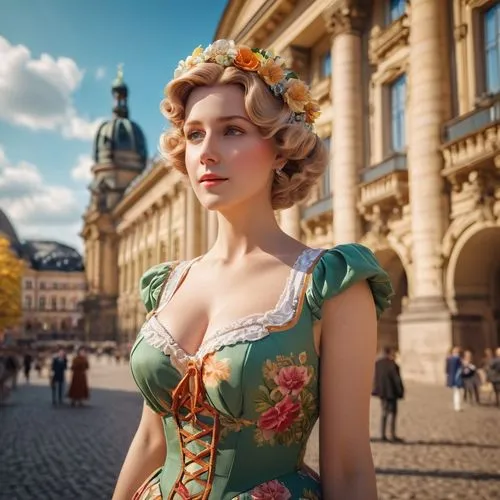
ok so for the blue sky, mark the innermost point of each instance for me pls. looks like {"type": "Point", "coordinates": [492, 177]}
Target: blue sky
{"type": "Point", "coordinates": [57, 61]}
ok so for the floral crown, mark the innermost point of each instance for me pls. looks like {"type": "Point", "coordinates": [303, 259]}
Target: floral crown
{"type": "Point", "coordinates": [272, 69]}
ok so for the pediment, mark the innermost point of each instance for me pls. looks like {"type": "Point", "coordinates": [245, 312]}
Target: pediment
{"type": "Point", "coordinates": [241, 19]}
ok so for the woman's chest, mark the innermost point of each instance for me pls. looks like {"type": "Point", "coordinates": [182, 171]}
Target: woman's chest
{"type": "Point", "coordinates": [205, 306]}
{"type": "Point", "coordinates": [244, 376]}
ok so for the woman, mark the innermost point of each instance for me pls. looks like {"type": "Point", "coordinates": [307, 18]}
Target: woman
{"type": "Point", "coordinates": [228, 359]}
{"type": "Point", "coordinates": [454, 378]}
{"type": "Point", "coordinates": [79, 388]}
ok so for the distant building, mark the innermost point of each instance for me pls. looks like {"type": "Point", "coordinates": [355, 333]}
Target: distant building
{"type": "Point", "coordinates": [53, 287]}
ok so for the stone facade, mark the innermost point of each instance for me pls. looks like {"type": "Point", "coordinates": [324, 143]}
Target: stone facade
{"type": "Point", "coordinates": [413, 132]}
{"type": "Point", "coordinates": [52, 304]}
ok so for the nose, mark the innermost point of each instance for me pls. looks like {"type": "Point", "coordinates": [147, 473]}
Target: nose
{"type": "Point", "coordinates": [209, 154]}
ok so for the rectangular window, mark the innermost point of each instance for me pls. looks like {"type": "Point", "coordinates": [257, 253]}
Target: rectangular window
{"type": "Point", "coordinates": [492, 48]}
{"type": "Point", "coordinates": [28, 302]}
{"type": "Point", "coordinates": [395, 9]}
{"type": "Point", "coordinates": [53, 303]}
{"type": "Point", "coordinates": [28, 285]}
{"type": "Point", "coordinates": [398, 108]}
{"type": "Point", "coordinates": [326, 65]}
{"type": "Point", "coordinates": [326, 184]}
{"type": "Point", "coordinates": [41, 303]}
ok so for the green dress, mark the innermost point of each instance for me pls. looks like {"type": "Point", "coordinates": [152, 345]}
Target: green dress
{"type": "Point", "coordinates": [237, 415]}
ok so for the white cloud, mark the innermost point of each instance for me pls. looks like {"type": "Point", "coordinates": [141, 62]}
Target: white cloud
{"type": "Point", "coordinates": [100, 73]}
{"type": "Point", "coordinates": [37, 209]}
{"type": "Point", "coordinates": [80, 128]}
{"type": "Point", "coordinates": [37, 93]}
{"type": "Point", "coordinates": [81, 171]}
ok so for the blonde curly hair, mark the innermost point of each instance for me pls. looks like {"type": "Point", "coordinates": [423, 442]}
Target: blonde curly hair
{"type": "Point", "coordinates": [305, 154]}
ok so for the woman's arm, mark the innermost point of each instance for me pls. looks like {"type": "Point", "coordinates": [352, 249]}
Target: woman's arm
{"type": "Point", "coordinates": [146, 454]}
{"type": "Point", "coordinates": [348, 350]}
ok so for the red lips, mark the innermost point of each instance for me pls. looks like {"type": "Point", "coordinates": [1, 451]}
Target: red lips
{"type": "Point", "coordinates": [212, 178]}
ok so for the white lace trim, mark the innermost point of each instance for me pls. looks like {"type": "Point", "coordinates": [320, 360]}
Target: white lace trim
{"type": "Point", "coordinates": [248, 329]}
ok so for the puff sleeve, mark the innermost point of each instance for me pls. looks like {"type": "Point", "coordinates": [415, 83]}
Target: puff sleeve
{"type": "Point", "coordinates": [341, 267]}
{"type": "Point", "coordinates": [151, 283]}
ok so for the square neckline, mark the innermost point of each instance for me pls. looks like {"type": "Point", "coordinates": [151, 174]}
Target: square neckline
{"type": "Point", "coordinates": [301, 267]}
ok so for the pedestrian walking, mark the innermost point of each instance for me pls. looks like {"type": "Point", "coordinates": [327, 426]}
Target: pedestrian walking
{"type": "Point", "coordinates": [388, 386]}
{"type": "Point", "coordinates": [454, 378]}
{"type": "Point", "coordinates": [79, 389]}
{"type": "Point", "coordinates": [59, 365]}
{"type": "Point", "coordinates": [470, 379]}
{"type": "Point", "coordinates": [27, 362]}
{"type": "Point", "coordinates": [39, 365]}
{"type": "Point", "coordinates": [494, 375]}
{"type": "Point", "coordinates": [12, 369]}
{"type": "Point", "coordinates": [4, 375]}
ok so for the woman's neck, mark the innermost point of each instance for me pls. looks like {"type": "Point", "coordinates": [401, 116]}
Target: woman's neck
{"type": "Point", "coordinates": [243, 233]}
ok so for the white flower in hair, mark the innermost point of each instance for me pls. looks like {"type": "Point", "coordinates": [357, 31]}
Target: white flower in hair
{"type": "Point", "coordinates": [225, 48]}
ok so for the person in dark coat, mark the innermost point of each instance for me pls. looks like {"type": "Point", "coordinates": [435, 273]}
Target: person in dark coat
{"type": "Point", "coordinates": [494, 375]}
{"type": "Point", "coordinates": [454, 378]}
{"type": "Point", "coordinates": [470, 379]}
{"type": "Point", "coordinates": [59, 365]}
{"type": "Point", "coordinates": [388, 386]}
{"type": "Point", "coordinates": [27, 361]}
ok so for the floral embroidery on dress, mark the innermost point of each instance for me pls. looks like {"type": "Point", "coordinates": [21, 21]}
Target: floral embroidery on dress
{"type": "Point", "coordinates": [285, 402]}
{"type": "Point", "coordinates": [215, 370]}
{"type": "Point", "coordinates": [272, 490]}
{"type": "Point", "coordinates": [230, 424]}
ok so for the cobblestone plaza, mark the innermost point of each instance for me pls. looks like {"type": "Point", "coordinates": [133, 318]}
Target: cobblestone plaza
{"type": "Point", "coordinates": [51, 453]}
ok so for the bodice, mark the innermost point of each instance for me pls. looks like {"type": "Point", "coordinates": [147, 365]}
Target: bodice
{"type": "Point", "coordinates": [238, 413]}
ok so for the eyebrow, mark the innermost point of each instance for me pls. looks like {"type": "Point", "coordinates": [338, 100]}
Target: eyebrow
{"type": "Point", "coordinates": [221, 119]}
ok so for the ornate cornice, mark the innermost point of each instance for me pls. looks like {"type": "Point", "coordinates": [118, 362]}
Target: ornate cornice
{"type": "Point", "coordinates": [474, 4]}
{"type": "Point", "coordinates": [346, 16]}
{"type": "Point", "coordinates": [384, 42]}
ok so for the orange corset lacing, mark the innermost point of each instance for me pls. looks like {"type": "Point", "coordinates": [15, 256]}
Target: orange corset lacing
{"type": "Point", "coordinates": [189, 395]}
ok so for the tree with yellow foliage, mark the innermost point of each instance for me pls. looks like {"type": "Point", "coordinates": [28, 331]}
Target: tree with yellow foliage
{"type": "Point", "coordinates": [11, 272]}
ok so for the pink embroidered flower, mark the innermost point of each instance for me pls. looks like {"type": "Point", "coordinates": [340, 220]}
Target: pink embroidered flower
{"type": "Point", "coordinates": [278, 418]}
{"type": "Point", "coordinates": [272, 490]}
{"type": "Point", "coordinates": [292, 379]}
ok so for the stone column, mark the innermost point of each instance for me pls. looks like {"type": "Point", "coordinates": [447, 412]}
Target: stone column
{"type": "Point", "coordinates": [192, 229]}
{"type": "Point", "coordinates": [345, 21]}
{"type": "Point", "coordinates": [425, 325]}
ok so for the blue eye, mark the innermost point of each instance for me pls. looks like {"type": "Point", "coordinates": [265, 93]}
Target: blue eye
{"type": "Point", "coordinates": [193, 136]}
{"type": "Point", "coordinates": [234, 131]}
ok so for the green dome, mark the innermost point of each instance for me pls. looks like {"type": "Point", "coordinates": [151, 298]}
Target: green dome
{"type": "Point", "coordinates": [120, 135]}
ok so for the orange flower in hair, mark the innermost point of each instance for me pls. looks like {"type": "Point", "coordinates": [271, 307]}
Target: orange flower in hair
{"type": "Point", "coordinates": [296, 95]}
{"type": "Point", "coordinates": [271, 72]}
{"type": "Point", "coordinates": [246, 59]}
{"type": "Point", "coordinates": [313, 111]}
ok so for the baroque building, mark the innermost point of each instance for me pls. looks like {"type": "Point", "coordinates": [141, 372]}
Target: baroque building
{"type": "Point", "coordinates": [410, 98]}
{"type": "Point", "coordinates": [119, 155]}
{"type": "Point", "coordinates": [53, 287]}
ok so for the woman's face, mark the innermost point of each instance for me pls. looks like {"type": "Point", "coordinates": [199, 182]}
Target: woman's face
{"type": "Point", "coordinates": [228, 162]}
